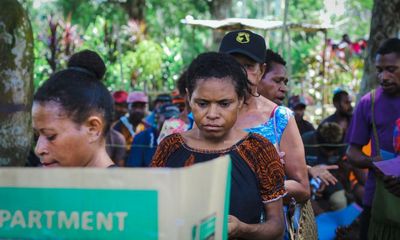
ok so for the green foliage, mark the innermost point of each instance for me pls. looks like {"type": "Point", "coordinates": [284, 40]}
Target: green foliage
{"type": "Point", "coordinates": [152, 56]}
{"type": "Point", "coordinates": [305, 10]}
{"type": "Point", "coordinates": [83, 12]}
{"type": "Point", "coordinates": [147, 60]}
{"type": "Point", "coordinates": [172, 62]}
{"type": "Point", "coordinates": [163, 20]}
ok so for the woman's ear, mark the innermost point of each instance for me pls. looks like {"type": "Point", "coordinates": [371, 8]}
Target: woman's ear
{"type": "Point", "coordinates": [188, 97]}
{"type": "Point", "coordinates": [241, 102]}
{"type": "Point", "coordinates": [263, 68]}
{"type": "Point", "coordinates": [94, 126]}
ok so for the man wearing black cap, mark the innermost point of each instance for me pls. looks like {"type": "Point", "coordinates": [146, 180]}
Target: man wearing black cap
{"type": "Point", "coordinates": [249, 49]}
{"type": "Point", "coordinates": [298, 105]}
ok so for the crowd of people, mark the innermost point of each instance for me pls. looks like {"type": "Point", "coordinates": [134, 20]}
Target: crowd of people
{"type": "Point", "coordinates": [284, 171]}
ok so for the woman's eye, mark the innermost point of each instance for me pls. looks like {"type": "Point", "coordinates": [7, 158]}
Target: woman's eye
{"type": "Point", "coordinates": [224, 104]}
{"type": "Point", "coordinates": [202, 104]}
{"type": "Point", "coordinates": [51, 138]}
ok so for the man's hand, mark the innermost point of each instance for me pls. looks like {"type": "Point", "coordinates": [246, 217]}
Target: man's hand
{"type": "Point", "coordinates": [322, 172]}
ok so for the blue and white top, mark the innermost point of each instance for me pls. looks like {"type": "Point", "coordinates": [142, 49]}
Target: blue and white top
{"type": "Point", "coordinates": [275, 126]}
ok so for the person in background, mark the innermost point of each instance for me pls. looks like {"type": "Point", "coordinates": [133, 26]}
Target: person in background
{"type": "Point", "coordinates": [160, 100]}
{"type": "Point", "coordinates": [324, 150]}
{"type": "Point", "coordinates": [217, 88]}
{"type": "Point", "coordinates": [115, 141]}
{"type": "Point", "coordinates": [178, 100]}
{"type": "Point", "coordinates": [382, 107]}
{"type": "Point", "coordinates": [182, 123]}
{"type": "Point", "coordinates": [120, 104]}
{"type": "Point", "coordinates": [273, 84]}
{"type": "Point", "coordinates": [298, 105]}
{"type": "Point", "coordinates": [145, 143]}
{"type": "Point", "coordinates": [116, 147]}
{"type": "Point", "coordinates": [133, 124]}
{"type": "Point", "coordinates": [344, 110]}
{"type": "Point", "coordinates": [72, 113]}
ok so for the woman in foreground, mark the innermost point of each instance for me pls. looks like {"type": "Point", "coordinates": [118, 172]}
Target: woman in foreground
{"type": "Point", "coordinates": [72, 113]}
{"type": "Point", "coordinates": [217, 89]}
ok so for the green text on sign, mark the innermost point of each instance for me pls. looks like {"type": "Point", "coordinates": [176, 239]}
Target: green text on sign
{"type": "Point", "coordinates": [78, 213]}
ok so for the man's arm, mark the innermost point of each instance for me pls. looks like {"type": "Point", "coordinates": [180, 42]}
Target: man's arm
{"type": "Point", "coordinates": [272, 228]}
{"type": "Point", "coordinates": [358, 159]}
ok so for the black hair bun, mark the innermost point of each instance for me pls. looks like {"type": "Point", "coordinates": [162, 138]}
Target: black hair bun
{"type": "Point", "coordinates": [90, 61]}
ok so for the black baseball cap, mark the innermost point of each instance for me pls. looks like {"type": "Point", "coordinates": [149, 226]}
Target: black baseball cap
{"type": "Point", "coordinates": [244, 42]}
{"type": "Point", "coordinates": [168, 110]}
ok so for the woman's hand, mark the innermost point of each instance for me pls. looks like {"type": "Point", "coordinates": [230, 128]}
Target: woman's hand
{"type": "Point", "coordinates": [233, 226]}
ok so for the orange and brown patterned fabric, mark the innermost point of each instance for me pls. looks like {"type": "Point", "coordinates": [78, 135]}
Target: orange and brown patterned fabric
{"type": "Point", "coordinates": [257, 172]}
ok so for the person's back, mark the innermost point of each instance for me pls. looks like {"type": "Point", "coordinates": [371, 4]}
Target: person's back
{"type": "Point", "coordinates": [143, 148]}
{"type": "Point", "coordinates": [323, 147]}
{"type": "Point", "coordinates": [116, 147]}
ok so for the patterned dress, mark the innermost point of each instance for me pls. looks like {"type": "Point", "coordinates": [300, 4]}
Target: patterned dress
{"type": "Point", "coordinates": [257, 173]}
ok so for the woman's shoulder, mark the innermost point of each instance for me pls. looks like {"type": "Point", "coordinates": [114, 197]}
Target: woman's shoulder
{"type": "Point", "coordinates": [257, 142]}
{"type": "Point", "coordinates": [283, 111]}
{"type": "Point", "coordinates": [167, 146]}
{"type": "Point", "coordinates": [172, 140]}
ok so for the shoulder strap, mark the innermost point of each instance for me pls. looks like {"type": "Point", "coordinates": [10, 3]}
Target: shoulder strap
{"type": "Point", "coordinates": [273, 116]}
{"type": "Point", "coordinates": [374, 131]}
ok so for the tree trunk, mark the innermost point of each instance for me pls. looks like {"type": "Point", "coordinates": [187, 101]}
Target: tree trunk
{"type": "Point", "coordinates": [219, 10]}
{"type": "Point", "coordinates": [135, 9]}
{"type": "Point", "coordinates": [385, 23]}
{"type": "Point", "coordinates": [16, 84]}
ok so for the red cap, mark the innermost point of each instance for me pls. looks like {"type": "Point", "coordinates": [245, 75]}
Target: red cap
{"type": "Point", "coordinates": [120, 96]}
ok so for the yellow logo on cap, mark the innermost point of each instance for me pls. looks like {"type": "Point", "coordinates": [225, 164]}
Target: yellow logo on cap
{"type": "Point", "coordinates": [243, 37]}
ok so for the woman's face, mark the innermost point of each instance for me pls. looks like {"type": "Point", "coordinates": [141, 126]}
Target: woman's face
{"type": "Point", "coordinates": [215, 106]}
{"type": "Point", "coordinates": [61, 142]}
{"type": "Point", "coordinates": [274, 84]}
{"type": "Point", "coordinates": [254, 70]}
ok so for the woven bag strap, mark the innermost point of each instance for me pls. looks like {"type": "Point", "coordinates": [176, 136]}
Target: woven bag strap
{"type": "Point", "coordinates": [374, 131]}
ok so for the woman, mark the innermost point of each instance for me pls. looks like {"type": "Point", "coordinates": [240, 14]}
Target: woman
{"type": "Point", "coordinates": [72, 113]}
{"type": "Point", "coordinates": [260, 115]}
{"type": "Point", "coordinates": [217, 89]}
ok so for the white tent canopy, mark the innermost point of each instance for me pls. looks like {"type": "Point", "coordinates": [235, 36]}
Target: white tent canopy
{"type": "Point", "coordinates": [248, 23]}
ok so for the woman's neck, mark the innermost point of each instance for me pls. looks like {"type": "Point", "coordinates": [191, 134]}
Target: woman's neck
{"type": "Point", "coordinates": [195, 139]}
{"type": "Point", "coordinates": [100, 158]}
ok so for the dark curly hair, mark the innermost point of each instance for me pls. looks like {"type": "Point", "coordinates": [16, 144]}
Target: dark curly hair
{"type": "Point", "coordinates": [181, 83]}
{"type": "Point", "coordinates": [337, 97]}
{"type": "Point", "coordinates": [329, 133]}
{"type": "Point", "coordinates": [391, 45]}
{"type": "Point", "coordinates": [79, 90]}
{"type": "Point", "coordinates": [273, 57]}
{"type": "Point", "coordinates": [218, 65]}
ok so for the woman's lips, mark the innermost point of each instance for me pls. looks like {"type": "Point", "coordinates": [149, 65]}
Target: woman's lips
{"type": "Point", "coordinates": [50, 164]}
{"type": "Point", "coordinates": [212, 127]}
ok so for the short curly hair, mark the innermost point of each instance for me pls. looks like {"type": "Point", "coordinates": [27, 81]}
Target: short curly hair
{"type": "Point", "coordinates": [273, 57]}
{"type": "Point", "coordinates": [218, 65]}
{"type": "Point", "coordinates": [329, 133]}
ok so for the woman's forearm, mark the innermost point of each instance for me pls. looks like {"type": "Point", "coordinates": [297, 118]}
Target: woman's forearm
{"type": "Point", "coordinates": [297, 191]}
